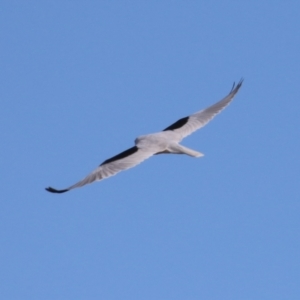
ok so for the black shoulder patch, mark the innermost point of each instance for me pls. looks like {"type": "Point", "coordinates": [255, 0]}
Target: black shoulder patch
{"type": "Point", "coordinates": [121, 155]}
{"type": "Point", "coordinates": [177, 124]}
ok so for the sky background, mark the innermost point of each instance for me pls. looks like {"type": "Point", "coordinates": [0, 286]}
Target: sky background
{"type": "Point", "coordinates": [80, 80]}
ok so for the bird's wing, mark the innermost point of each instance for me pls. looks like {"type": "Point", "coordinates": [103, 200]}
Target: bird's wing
{"type": "Point", "coordinates": [188, 125]}
{"type": "Point", "coordinates": [123, 161]}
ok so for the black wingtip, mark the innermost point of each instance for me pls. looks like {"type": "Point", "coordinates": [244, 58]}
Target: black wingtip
{"type": "Point", "coordinates": [52, 190]}
{"type": "Point", "coordinates": [235, 87]}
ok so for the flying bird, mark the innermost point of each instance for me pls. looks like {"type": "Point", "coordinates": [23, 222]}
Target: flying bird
{"type": "Point", "coordinates": [166, 141]}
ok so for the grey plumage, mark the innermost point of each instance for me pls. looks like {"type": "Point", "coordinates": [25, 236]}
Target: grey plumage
{"type": "Point", "coordinates": [166, 141]}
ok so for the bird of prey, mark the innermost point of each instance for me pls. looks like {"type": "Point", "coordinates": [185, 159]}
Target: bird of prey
{"type": "Point", "coordinates": [166, 141]}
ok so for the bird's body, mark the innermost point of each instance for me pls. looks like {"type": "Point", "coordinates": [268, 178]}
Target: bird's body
{"type": "Point", "coordinates": [163, 142]}
{"type": "Point", "coordinates": [166, 141]}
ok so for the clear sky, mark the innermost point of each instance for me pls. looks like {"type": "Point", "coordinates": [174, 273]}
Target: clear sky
{"type": "Point", "coordinates": [80, 80]}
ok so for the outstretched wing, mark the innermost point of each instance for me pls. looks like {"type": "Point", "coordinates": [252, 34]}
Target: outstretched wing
{"type": "Point", "coordinates": [123, 161]}
{"type": "Point", "coordinates": [188, 125]}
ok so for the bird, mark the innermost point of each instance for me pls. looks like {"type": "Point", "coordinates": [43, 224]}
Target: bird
{"type": "Point", "coordinates": [166, 141]}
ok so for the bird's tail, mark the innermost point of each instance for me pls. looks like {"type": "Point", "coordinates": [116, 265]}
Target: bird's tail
{"type": "Point", "coordinates": [179, 149]}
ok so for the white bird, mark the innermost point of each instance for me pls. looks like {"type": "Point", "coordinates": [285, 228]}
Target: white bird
{"type": "Point", "coordinates": [166, 141]}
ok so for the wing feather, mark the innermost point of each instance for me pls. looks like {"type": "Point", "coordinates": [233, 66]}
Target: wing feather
{"type": "Point", "coordinates": [123, 161]}
{"type": "Point", "coordinates": [188, 125]}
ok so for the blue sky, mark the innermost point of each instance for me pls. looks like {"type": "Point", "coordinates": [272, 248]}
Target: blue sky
{"type": "Point", "coordinates": [80, 80]}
